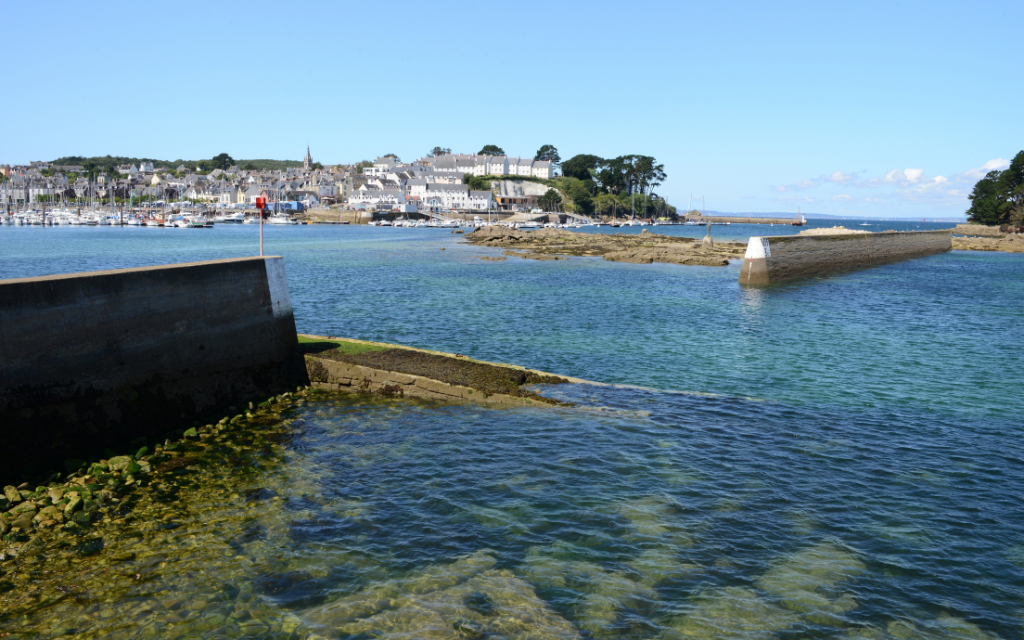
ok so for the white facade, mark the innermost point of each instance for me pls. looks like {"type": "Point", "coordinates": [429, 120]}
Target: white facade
{"type": "Point", "coordinates": [377, 198]}
{"type": "Point", "coordinates": [491, 166]}
{"type": "Point", "coordinates": [451, 196]}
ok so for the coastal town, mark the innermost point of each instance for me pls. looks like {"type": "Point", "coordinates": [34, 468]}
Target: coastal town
{"type": "Point", "coordinates": [432, 183]}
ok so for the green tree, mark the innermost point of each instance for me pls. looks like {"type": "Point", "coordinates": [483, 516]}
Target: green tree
{"type": "Point", "coordinates": [362, 165]}
{"type": "Point", "coordinates": [491, 150]}
{"type": "Point", "coordinates": [999, 197]}
{"type": "Point", "coordinates": [221, 161]}
{"type": "Point", "coordinates": [316, 166]}
{"type": "Point", "coordinates": [580, 196]}
{"type": "Point", "coordinates": [438, 151]}
{"type": "Point", "coordinates": [583, 166]}
{"type": "Point", "coordinates": [391, 155]}
{"type": "Point", "coordinates": [985, 200]}
{"type": "Point", "coordinates": [476, 183]}
{"type": "Point", "coordinates": [548, 152]}
{"type": "Point", "coordinates": [550, 201]}
{"type": "Point", "coordinates": [1012, 185]}
{"type": "Point", "coordinates": [249, 167]}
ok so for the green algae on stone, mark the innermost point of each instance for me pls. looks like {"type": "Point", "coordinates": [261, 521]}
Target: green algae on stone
{"type": "Point", "coordinates": [730, 612]}
{"type": "Point", "coordinates": [802, 581]}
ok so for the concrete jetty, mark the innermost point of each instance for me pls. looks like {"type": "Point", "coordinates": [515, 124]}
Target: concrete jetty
{"type": "Point", "coordinates": [92, 359]}
{"type": "Point", "coordinates": [771, 259]}
{"type": "Point", "coordinates": [702, 219]}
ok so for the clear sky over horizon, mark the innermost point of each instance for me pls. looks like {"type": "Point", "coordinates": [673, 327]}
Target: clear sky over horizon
{"type": "Point", "coordinates": [867, 109]}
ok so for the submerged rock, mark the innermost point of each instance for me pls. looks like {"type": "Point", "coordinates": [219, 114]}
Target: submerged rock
{"type": "Point", "coordinates": [732, 612]}
{"type": "Point", "coordinates": [119, 463]}
{"type": "Point", "coordinates": [12, 494]}
{"type": "Point", "coordinates": [494, 603]}
{"type": "Point", "coordinates": [801, 581]}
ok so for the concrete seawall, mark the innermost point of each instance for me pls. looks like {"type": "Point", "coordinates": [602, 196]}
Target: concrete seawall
{"type": "Point", "coordinates": [88, 360]}
{"type": "Point", "coordinates": [771, 259]}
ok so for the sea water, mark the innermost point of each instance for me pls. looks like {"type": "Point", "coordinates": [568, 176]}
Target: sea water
{"type": "Point", "coordinates": [836, 457]}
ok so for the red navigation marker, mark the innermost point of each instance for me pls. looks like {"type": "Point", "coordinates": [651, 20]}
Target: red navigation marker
{"type": "Point", "coordinates": [261, 204]}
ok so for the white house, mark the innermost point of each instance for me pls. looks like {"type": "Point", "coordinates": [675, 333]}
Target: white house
{"type": "Point", "coordinates": [452, 196]}
{"type": "Point", "coordinates": [490, 165]}
{"type": "Point", "coordinates": [380, 199]}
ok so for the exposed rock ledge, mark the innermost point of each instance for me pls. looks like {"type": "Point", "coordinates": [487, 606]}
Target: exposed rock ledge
{"type": "Point", "coordinates": [644, 248]}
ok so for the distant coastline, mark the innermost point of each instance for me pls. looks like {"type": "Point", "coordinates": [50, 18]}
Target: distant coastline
{"type": "Point", "coordinates": [827, 216]}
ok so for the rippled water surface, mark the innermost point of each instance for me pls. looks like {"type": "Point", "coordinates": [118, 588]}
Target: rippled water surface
{"type": "Point", "coordinates": [839, 457]}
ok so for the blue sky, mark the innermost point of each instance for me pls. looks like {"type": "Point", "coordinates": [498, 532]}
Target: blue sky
{"type": "Point", "coordinates": [868, 109]}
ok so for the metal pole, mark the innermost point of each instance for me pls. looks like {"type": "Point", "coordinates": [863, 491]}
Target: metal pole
{"type": "Point", "coordinates": [261, 231]}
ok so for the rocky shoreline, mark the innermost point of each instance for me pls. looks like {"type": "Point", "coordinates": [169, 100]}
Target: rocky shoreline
{"type": "Point", "coordinates": [1007, 243]}
{"type": "Point", "coordinates": [90, 492]}
{"type": "Point", "coordinates": [645, 248]}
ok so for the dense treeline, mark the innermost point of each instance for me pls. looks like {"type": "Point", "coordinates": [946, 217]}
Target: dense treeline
{"type": "Point", "coordinates": [109, 164]}
{"type": "Point", "coordinates": [998, 198]}
{"type": "Point", "coordinates": [617, 185]}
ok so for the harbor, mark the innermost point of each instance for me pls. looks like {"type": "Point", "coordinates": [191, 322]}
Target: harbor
{"type": "Point", "coordinates": [773, 485]}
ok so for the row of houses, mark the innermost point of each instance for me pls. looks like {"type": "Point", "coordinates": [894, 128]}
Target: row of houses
{"type": "Point", "coordinates": [429, 183]}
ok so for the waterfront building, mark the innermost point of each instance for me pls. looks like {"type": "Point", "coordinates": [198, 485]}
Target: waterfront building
{"type": "Point", "coordinates": [484, 165]}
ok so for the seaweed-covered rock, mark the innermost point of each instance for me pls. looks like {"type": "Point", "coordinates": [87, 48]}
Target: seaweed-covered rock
{"type": "Point", "coordinates": [24, 521]}
{"type": "Point", "coordinates": [119, 463]}
{"type": "Point", "coordinates": [49, 513]}
{"type": "Point", "coordinates": [23, 507]}
{"type": "Point", "coordinates": [73, 505]}
{"type": "Point", "coordinates": [12, 494]}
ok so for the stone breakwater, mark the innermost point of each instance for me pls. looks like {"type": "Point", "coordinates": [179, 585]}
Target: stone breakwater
{"type": "Point", "coordinates": [645, 248]}
{"type": "Point", "coordinates": [92, 360]}
{"type": "Point", "coordinates": [771, 259]}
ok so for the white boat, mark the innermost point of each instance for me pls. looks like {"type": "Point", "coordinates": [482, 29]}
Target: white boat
{"type": "Point", "coordinates": [237, 217]}
{"type": "Point", "coordinates": [280, 218]}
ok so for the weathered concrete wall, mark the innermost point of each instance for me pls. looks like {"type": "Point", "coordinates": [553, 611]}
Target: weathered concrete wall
{"type": "Point", "coordinates": [89, 360]}
{"type": "Point", "coordinates": [772, 259]}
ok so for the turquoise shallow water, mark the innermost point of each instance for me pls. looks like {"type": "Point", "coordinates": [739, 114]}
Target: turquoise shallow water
{"type": "Point", "coordinates": [850, 465]}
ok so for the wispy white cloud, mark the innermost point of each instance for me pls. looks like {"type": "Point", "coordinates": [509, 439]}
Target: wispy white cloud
{"type": "Point", "coordinates": [840, 177]}
{"type": "Point", "coordinates": [973, 175]}
{"type": "Point", "coordinates": [911, 184]}
{"type": "Point", "coordinates": [837, 177]}
{"type": "Point", "coordinates": [799, 186]}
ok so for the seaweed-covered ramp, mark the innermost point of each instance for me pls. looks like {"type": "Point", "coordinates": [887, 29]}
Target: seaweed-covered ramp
{"type": "Point", "coordinates": [358, 367]}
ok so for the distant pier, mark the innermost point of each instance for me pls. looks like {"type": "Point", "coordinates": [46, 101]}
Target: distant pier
{"type": "Point", "coordinates": [796, 221]}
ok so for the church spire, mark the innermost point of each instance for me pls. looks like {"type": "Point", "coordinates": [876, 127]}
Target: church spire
{"type": "Point", "coordinates": [308, 160]}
